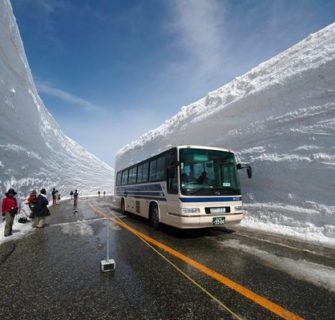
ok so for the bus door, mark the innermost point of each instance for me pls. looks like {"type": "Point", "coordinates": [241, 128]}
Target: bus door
{"type": "Point", "coordinates": [172, 182]}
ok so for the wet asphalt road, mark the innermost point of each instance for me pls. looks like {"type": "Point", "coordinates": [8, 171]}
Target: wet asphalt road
{"type": "Point", "coordinates": [54, 273]}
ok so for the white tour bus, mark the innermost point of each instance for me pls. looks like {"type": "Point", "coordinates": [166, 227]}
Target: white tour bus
{"type": "Point", "coordinates": [185, 187]}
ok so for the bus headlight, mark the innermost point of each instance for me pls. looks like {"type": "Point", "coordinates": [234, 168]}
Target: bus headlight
{"type": "Point", "coordinates": [238, 208]}
{"type": "Point", "coordinates": [190, 210]}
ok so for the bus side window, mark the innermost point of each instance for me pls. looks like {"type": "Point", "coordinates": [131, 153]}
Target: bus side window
{"type": "Point", "coordinates": [153, 170]}
{"type": "Point", "coordinates": [132, 175]}
{"type": "Point", "coordinates": [124, 177]}
{"type": "Point", "coordinates": [139, 174]}
{"type": "Point", "coordinates": [160, 174]}
{"type": "Point", "coordinates": [145, 172]}
{"type": "Point", "coordinates": [118, 179]}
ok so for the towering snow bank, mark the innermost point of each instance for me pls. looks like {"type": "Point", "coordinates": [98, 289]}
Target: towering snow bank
{"type": "Point", "coordinates": [34, 152]}
{"type": "Point", "coordinates": [280, 117]}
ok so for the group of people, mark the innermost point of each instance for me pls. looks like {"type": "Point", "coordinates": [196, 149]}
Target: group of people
{"type": "Point", "coordinates": [100, 193]}
{"type": "Point", "coordinates": [38, 205]}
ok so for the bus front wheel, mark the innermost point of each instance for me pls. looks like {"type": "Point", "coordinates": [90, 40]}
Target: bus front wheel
{"type": "Point", "coordinates": [154, 216]}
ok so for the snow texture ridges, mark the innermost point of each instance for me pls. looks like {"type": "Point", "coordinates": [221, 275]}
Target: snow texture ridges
{"type": "Point", "coordinates": [280, 117]}
{"type": "Point", "coordinates": [34, 152]}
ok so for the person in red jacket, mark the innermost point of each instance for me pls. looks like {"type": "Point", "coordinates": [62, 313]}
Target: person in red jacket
{"type": "Point", "coordinates": [9, 210]}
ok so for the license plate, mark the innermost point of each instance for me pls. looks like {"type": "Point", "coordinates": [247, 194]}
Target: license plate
{"type": "Point", "coordinates": [218, 210]}
{"type": "Point", "coordinates": [218, 221]}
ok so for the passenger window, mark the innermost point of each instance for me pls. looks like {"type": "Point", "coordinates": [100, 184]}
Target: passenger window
{"type": "Point", "coordinates": [145, 172]}
{"type": "Point", "coordinates": [153, 170]}
{"type": "Point", "coordinates": [118, 179]}
{"type": "Point", "coordinates": [132, 175]}
{"type": "Point", "coordinates": [139, 173]}
{"type": "Point", "coordinates": [160, 175]}
{"type": "Point", "coordinates": [125, 177]}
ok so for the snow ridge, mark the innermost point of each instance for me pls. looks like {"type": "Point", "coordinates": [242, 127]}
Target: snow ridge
{"type": "Point", "coordinates": [34, 151]}
{"type": "Point", "coordinates": [280, 117]}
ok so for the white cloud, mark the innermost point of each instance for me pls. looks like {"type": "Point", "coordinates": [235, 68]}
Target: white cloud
{"type": "Point", "coordinates": [66, 96]}
{"type": "Point", "coordinates": [199, 26]}
{"type": "Point", "coordinates": [46, 5]}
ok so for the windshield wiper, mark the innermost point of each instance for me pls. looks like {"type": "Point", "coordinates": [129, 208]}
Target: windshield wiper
{"type": "Point", "coordinates": [212, 191]}
{"type": "Point", "coordinates": [196, 191]}
{"type": "Point", "coordinates": [226, 189]}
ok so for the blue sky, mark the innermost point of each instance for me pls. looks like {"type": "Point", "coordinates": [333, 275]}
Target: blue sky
{"type": "Point", "coordinates": [110, 70]}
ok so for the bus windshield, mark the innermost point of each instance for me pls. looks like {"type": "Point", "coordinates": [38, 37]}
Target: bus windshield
{"type": "Point", "coordinates": [208, 172]}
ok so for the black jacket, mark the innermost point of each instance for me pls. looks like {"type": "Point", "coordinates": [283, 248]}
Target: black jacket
{"type": "Point", "coordinates": [41, 207]}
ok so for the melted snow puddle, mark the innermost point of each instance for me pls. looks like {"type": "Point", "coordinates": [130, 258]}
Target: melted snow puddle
{"type": "Point", "coordinates": [81, 228]}
{"type": "Point", "coordinates": [78, 228]}
{"type": "Point", "coordinates": [314, 273]}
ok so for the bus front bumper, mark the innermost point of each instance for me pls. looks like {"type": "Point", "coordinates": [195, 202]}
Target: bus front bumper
{"type": "Point", "coordinates": [204, 221]}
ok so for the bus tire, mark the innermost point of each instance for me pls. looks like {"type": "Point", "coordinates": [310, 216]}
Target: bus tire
{"type": "Point", "coordinates": [123, 206]}
{"type": "Point", "coordinates": [154, 216]}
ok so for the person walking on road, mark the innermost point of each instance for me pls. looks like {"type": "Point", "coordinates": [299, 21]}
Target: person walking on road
{"type": "Point", "coordinates": [41, 209]}
{"type": "Point", "coordinates": [75, 200]}
{"type": "Point", "coordinates": [9, 210]}
{"type": "Point", "coordinates": [54, 196]}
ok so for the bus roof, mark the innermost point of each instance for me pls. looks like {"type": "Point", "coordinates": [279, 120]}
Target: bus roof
{"type": "Point", "coordinates": [204, 147]}
{"type": "Point", "coordinates": [172, 147]}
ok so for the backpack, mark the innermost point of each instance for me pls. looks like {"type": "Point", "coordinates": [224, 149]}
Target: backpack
{"type": "Point", "coordinates": [23, 220]}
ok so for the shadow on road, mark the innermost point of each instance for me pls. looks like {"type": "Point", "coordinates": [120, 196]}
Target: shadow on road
{"type": "Point", "coordinates": [180, 233]}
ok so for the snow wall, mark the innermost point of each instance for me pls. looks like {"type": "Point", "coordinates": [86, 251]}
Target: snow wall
{"type": "Point", "coordinates": [280, 118]}
{"type": "Point", "coordinates": [34, 152]}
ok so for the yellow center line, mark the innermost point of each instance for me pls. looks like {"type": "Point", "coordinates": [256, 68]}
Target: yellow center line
{"type": "Point", "coordinates": [262, 301]}
{"type": "Point", "coordinates": [191, 280]}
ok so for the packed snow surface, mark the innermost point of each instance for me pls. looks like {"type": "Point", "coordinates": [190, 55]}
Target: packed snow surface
{"type": "Point", "coordinates": [280, 118]}
{"type": "Point", "coordinates": [34, 152]}
{"type": "Point", "coordinates": [318, 274]}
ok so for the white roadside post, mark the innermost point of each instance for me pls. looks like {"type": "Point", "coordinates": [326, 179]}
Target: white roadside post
{"type": "Point", "coordinates": [108, 264]}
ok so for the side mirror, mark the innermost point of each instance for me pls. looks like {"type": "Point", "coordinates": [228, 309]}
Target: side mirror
{"type": "Point", "coordinates": [249, 171]}
{"type": "Point", "coordinates": [240, 166]}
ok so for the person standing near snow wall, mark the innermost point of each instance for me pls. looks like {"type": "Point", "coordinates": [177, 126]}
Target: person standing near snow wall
{"type": "Point", "coordinates": [41, 209]}
{"type": "Point", "coordinates": [75, 198]}
{"type": "Point", "coordinates": [54, 195]}
{"type": "Point", "coordinates": [9, 210]}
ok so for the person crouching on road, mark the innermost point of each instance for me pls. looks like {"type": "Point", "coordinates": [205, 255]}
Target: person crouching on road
{"type": "Point", "coordinates": [9, 210]}
{"type": "Point", "coordinates": [31, 201]}
{"type": "Point", "coordinates": [41, 209]}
